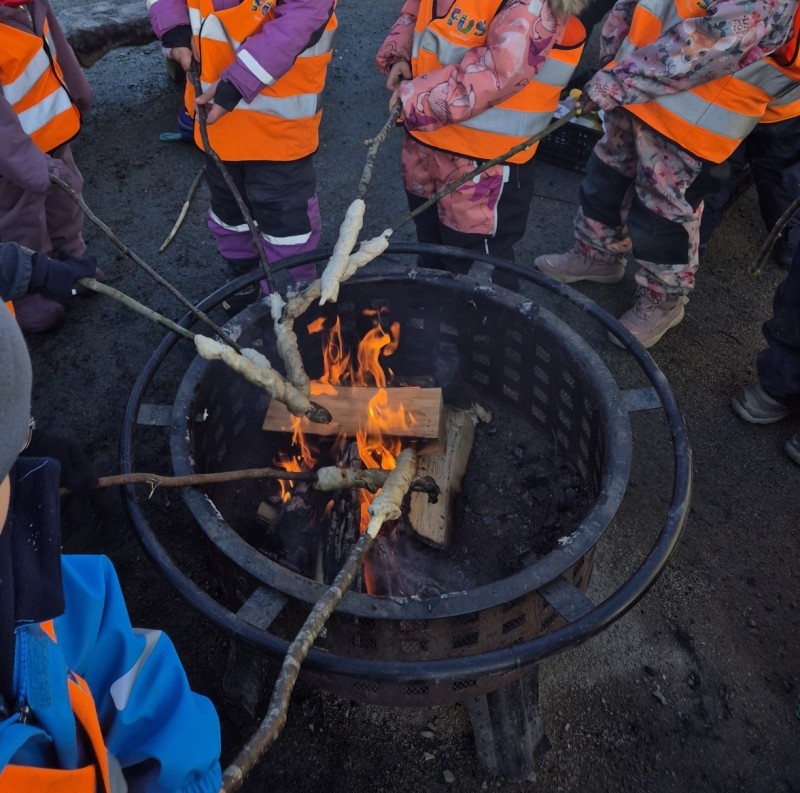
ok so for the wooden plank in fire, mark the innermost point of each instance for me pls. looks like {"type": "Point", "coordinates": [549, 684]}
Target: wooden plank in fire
{"type": "Point", "coordinates": [435, 522]}
{"type": "Point", "coordinates": [349, 406]}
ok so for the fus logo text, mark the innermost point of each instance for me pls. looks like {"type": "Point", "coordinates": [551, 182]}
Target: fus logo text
{"type": "Point", "coordinates": [464, 24]}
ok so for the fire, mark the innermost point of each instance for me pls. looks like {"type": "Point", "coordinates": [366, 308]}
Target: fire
{"type": "Point", "coordinates": [377, 446]}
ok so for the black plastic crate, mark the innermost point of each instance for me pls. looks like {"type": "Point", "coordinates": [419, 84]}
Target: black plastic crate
{"type": "Point", "coordinates": [569, 146]}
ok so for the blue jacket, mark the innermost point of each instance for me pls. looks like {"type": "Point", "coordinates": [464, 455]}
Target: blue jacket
{"type": "Point", "coordinates": [162, 735]}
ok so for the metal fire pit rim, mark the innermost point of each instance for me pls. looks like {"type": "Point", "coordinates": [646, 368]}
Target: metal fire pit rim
{"type": "Point", "coordinates": [616, 470]}
{"type": "Point", "coordinates": [499, 661]}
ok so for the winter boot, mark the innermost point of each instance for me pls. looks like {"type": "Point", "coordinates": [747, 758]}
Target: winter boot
{"type": "Point", "coordinates": [755, 405]}
{"type": "Point", "coordinates": [648, 321]}
{"type": "Point", "coordinates": [239, 301]}
{"type": "Point", "coordinates": [574, 266]}
{"type": "Point", "coordinates": [37, 314]}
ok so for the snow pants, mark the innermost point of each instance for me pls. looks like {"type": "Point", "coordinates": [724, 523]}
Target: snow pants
{"type": "Point", "coordinates": [48, 222]}
{"type": "Point", "coordinates": [643, 193]}
{"type": "Point", "coordinates": [779, 365]}
{"type": "Point", "coordinates": [281, 198]}
{"type": "Point", "coordinates": [773, 152]}
{"type": "Point", "coordinates": [488, 214]}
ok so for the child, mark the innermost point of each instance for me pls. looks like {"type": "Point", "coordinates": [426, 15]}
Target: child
{"type": "Point", "coordinates": [262, 70]}
{"type": "Point", "coordinates": [87, 703]}
{"type": "Point", "coordinates": [776, 394]}
{"type": "Point", "coordinates": [43, 97]}
{"type": "Point", "coordinates": [687, 84]}
{"type": "Point", "coordinates": [476, 78]}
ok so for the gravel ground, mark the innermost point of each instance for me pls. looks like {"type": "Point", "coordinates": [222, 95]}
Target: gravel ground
{"type": "Point", "coordinates": [697, 688]}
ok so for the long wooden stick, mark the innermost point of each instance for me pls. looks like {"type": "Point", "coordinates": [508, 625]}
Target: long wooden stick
{"type": "Point", "coordinates": [374, 143]}
{"type": "Point", "coordinates": [183, 212]}
{"type": "Point", "coordinates": [202, 112]}
{"type": "Point", "coordinates": [136, 306]}
{"type": "Point", "coordinates": [769, 243]}
{"type": "Point", "coordinates": [385, 506]}
{"type": "Point", "coordinates": [327, 479]}
{"type": "Point", "coordinates": [78, 199]}
{"type": "Point", "coordinates": [468, 177]}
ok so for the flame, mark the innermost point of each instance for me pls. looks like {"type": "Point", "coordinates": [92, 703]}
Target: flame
{"type": "Point", "coordinates": [376, 442]}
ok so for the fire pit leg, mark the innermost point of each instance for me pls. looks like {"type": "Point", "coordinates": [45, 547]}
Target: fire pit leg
{"type": "Point", "coordinates": [507, 728]}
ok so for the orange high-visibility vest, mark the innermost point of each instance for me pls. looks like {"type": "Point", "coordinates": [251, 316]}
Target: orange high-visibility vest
{"type": "Point", "coordinates": [282, 122]}
{"type": "Point", "coordinates": [712, 119]}
{"type": "Point", "coordinates": [787, 59]}
{"type": "Point", "coordinates": [93, 778]}
{"type": "Point", "coordinates": [34, 86]}
{"type": "Point", "coordinates": [443, 41]}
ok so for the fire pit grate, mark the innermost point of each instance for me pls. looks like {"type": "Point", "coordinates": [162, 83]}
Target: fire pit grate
{"type": "Point", "coordinates": [477, 341]}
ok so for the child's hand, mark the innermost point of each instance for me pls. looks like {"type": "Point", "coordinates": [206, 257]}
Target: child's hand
{"type": "Point", "coordinates": [183, 55]}
{"type": "Point", "coordinates": [395, 100]}
{"type": "Point", "coordinates": [214, 112]}
{"type": "Point", "coordinates": [399, 72]}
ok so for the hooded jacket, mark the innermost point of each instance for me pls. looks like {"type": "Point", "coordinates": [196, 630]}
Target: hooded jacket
{"type": "Point", "coordinates": [511, 54]}
{"type": "Point", "coordinates": [22, 161]}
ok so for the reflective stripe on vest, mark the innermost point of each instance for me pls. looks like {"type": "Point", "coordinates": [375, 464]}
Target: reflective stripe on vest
{"type": "Point", "coordinates": [282, 122]}
{"type": "Point", "coordinates": [33, 84]}
{"type": "Point", "coordinates": [784, 108]}
{"type": "Point", "coordinates": [444, 41]}
{"type": "Point", "coordinates": [711, 119]}
{"type": "Point", "coordinates": [16, 778]}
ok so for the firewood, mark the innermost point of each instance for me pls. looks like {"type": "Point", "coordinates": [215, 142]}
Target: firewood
{"type": "Point", "coordinates": [267, 515]}
{"type": "Point", "coordinates": [434, 521]}
{"type": "Point", "coordinates": [386, 506]}
{"type": "Point", "coordinates": [349, 407]}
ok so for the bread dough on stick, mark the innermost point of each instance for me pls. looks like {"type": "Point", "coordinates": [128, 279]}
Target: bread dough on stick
{"type": "Point", "coordinates": [348, 236]}
{"type": "Point", "coordinates": [256, 369]}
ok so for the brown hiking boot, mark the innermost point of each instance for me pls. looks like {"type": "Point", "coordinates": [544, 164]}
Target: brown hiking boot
{"type": "Point", "coordinates": [574, 266]}
{"type": "Point", "coordinates": [648, 321]}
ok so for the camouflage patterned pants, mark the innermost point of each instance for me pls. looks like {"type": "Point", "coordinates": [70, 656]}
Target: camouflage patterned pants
{"type": "Point", "coordinates": [643, 193]}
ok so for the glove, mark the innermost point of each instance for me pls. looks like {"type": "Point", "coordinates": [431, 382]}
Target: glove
{"type": "Point", "coordinates": [55, 279]}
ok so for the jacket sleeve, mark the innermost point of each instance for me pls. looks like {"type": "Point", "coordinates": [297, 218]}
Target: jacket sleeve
{"type": "Point", "coordinates": [166, 15]}
{"type": "Point", "coordinates": [615, 29]}
{"type": "Point", "coordinates": [15, 271]}
{"type": "Point", "coordinates": [21, 160]}
{"type": "Point", "coordinates": [517, 45]}
{"type": "Point", "coordinates": [79, 89]}
{"type": "Point", "coordinates": [164, 736]}
{"type": "Point", "coordinates": [396, 46]}
{"type": "Point", "coordinates": [729, 37]}
{"type": "Point", "coordinates": [269, 54]}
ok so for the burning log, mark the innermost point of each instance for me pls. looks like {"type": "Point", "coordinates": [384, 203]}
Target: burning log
{"type": "Point", "coordinates": [341, 524]}
{"type": "Point", "coordinates": [385, 506]}
{"type": "Point", "coordinates": [434, 522]}
{"type": "Point", "coordinates": [350, 406]}
{"type": "Point", "coordinates": [298, 532]}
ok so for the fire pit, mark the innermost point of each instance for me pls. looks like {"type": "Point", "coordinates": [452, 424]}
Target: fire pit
{"type": "Point", "coordinates": [478, 342]}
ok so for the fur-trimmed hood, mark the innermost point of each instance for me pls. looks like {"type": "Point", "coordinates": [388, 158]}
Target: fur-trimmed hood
{"type": "Point", "coordinates": [565, 8]}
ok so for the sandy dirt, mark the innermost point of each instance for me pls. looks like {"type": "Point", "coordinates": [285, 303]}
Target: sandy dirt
{"type": "Point", "coordinates": [697, 688]}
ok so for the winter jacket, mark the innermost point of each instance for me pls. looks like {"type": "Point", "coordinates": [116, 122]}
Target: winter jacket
{"type": "Point", "coordinates": [22, 161]}
{"type": "Point", "coordinates": [15, 271]}
{"type": "Point", "coordinates": [440, 42]}
{"type": "Point", "coordinates": [697, 73]}
{"type": "Point", "coordinates": [510, 55]}
{"type": "Point", "coordinates": [272, 60]}
{"type": "Point", "coordinates": [76, 659]}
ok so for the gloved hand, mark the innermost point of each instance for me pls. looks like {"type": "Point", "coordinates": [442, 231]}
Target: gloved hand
{"type": "Point", "coordinates": [55, 279]}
